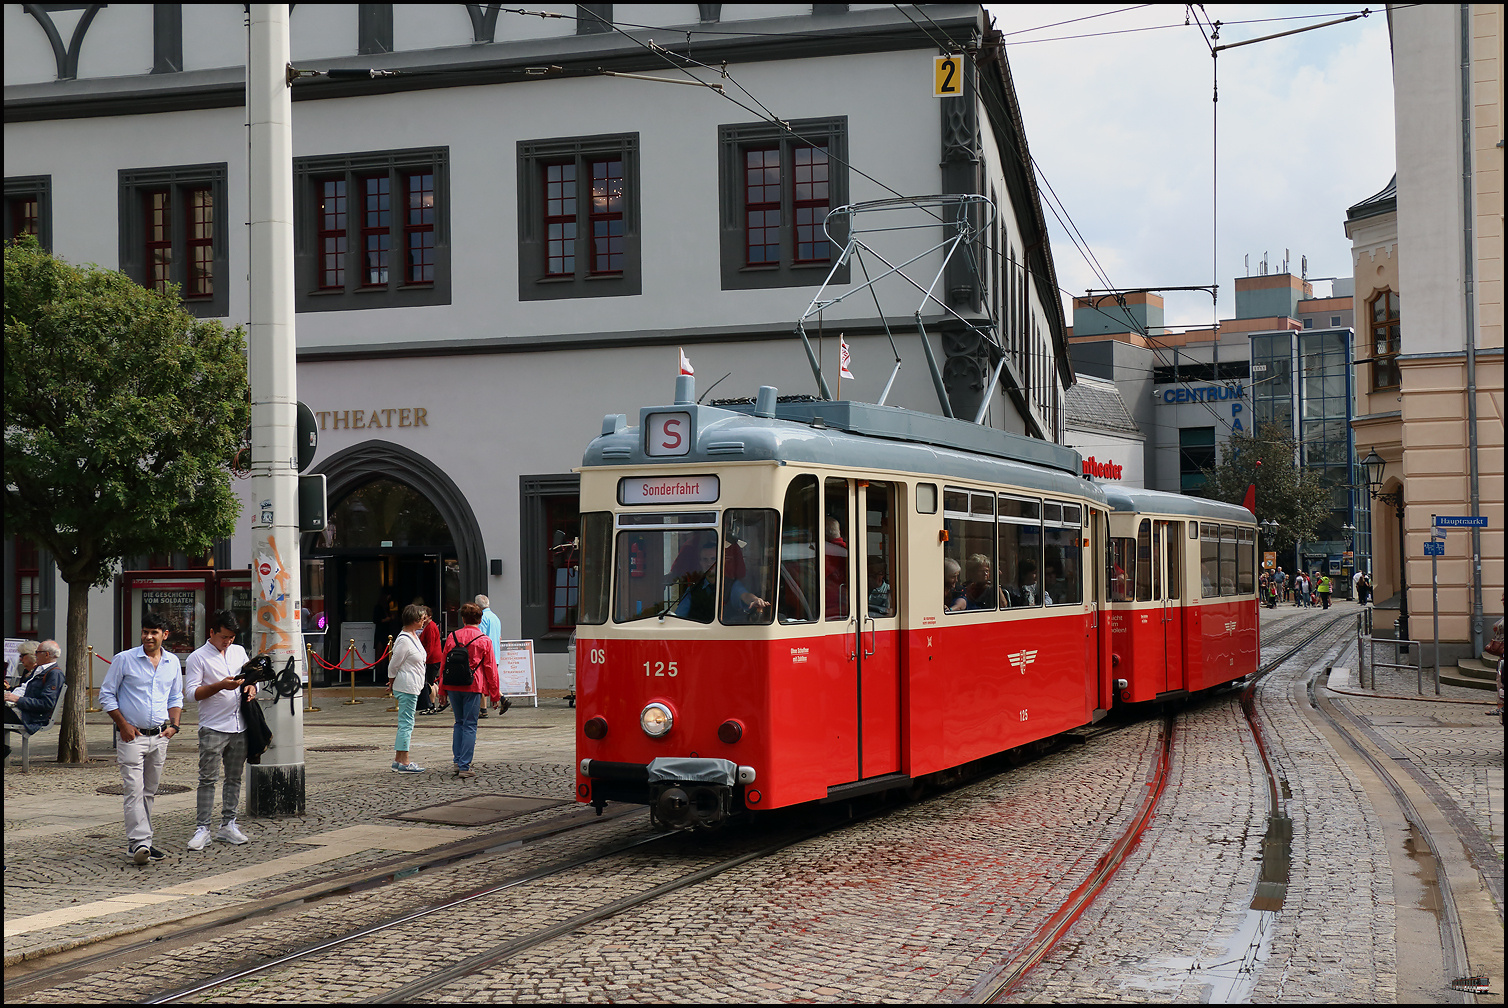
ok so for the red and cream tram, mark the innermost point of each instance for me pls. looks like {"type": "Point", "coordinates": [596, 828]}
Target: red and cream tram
{"type": "Point", "coordinates": [1183, 590]}
{"type": "Point", "coordinates": [792, 603]}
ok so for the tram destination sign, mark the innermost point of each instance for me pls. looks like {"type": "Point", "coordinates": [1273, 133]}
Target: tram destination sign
{"type": "Point", "coordinates": [1460, 521]}
{"type": "Point", "coordinates": [667, 490]}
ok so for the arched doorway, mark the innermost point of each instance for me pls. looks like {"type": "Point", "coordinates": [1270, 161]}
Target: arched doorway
{"type": "Point", "coordinates": [398, 530]}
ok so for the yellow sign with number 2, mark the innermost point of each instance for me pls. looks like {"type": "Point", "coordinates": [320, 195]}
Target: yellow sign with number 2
{"type": "Point", "coordinates": [947, 78]}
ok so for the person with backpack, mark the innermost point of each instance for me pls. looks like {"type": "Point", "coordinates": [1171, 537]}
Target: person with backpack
{"type": "Point", "coordinates": [468, 673]}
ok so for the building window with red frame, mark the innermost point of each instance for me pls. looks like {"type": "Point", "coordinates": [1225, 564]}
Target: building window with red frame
{"type": "Point", "coordinates": [200, 281]}
{"type": "Point", "coordinates": [810, 201]}
{"type": "Point", "coordinates": [560, 219]}
{"type": "Point", "coordinates": [157, 205]}
{"type": "Point", "coordinates": [25, 216]}
{"type": "Point", "coordinates": [578, 230]}
{"type": "Point", "coordinates": [762, 205]}
{"type": "Point", "coordinates": [332, 233]}
{"type": "Point", "coordinates": [27, 587]}
{"type": "Point", "coordinates": [370, 229]}
{"type": "Point", "coordinates": [419, 227]}
{"type": "Point", "coordinates": [376, 228]}
{"type": "Point", "coordinates": [606, 217]}
{"type": "Point", "coordinates": [1386, 323]}
{"type": "Point", "coordinates": [777, 183]}
{"type": "Point", "coordinates": [173, 232]}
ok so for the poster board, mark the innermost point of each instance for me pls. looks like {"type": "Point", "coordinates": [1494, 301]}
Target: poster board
{"type": "Point", "coordinates": [13, 656]}
{"type": "Point", "coordinates": [515, 669]}
{"type": "Point", "coordinates": [365, 635]}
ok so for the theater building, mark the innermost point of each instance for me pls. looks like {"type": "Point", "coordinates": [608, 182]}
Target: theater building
{"type": "Point", "coordinates": [502, 244]}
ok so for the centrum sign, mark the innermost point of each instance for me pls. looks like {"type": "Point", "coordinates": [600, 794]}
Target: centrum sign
{"type": "Point", "coordinates": [1209, 393]}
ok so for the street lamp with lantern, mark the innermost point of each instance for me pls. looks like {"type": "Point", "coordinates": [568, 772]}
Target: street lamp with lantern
{"type": "Point", "coordinates": [1349, 531]}
{"type": "Point", "coordinates": [1374, 465]}
{"type": "Point", "coordinates": [1269, 537]}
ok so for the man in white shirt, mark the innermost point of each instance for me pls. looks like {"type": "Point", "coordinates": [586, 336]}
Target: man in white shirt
{"type": "Point", "coordinates": [214, 681]}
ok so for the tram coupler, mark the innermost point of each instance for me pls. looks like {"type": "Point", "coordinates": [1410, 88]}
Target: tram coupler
{"type": "Point", "coordinates": [691, 806]}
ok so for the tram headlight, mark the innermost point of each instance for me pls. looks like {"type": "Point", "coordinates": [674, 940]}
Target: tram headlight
{"type": "Point", "coordinates": [656, 720]}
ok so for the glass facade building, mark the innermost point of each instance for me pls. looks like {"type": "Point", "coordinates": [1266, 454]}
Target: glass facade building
{"type": "Point", "coordinates": [1301, 381]}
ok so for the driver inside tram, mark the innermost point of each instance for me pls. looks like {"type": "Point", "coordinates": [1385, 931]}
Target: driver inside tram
{"type": "Point", "coordinates": [698, 602]}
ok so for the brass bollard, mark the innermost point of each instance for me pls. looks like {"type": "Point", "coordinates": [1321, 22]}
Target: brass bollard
{"type": "Point", "coordinates": [92, 693]}
{"type": "Point", "coordinates": [309, 664]}
{"type": "Point", "coordinates": [351, 650]}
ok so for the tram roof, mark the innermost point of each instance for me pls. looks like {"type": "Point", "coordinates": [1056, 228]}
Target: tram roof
{"type": "Point", "coordinates": [1158, 502]}
{"type": "Point", "coordinates": [850, 434]}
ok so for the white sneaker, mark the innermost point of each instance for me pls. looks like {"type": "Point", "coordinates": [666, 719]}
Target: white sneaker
{"type": "Point", "coordinates": [201, 839]}
{"type": "Point", "coordinates": [230, 834]}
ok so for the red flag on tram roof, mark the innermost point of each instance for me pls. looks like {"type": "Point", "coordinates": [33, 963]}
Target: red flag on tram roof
{"type": "Point", "coordinates": [685, 364]}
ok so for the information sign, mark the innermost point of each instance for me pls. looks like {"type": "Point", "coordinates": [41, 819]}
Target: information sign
{"type": "Point", "coordinates": [1434, 548]}
{"type": "Point", "coordinates": [1460, 521]}
{"type": "Point", "coordinates": [515, 669]}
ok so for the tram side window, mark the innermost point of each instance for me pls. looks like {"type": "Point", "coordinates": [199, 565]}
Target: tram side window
{"type": "Point", "coordinates": [1144, 561]}
{"type": "Point", "coordinates": [969, 554]}
{"type": "Point", "coordinates": [1062, 576]}
{"type": "Point", "coordinates": [1020, 532]}
{"type": "Point", "coordinates": [798, 553]}
{"type": "Point", "coordinates": [835, 551]}
{"type": "Point", "coordinates": [1246, 560]}
{"type": "Point", "coordinates": [1227, 560]}
{"type": "Point", "coordinates": [1122, 568]}
{"type": "Point", "coordinates": [1209, 559]}
{"type": "Point", "coordinates": [749, 536]}
{"type": "Point", "coordinates": [596, 566]}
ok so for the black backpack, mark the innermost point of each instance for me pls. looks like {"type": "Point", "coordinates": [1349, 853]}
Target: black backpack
{"type": "Point", "coordinates": [456, 671]}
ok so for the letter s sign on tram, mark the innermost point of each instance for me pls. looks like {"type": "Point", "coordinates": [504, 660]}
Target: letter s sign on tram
{"type": "Point", "coordinates": [667, 434]}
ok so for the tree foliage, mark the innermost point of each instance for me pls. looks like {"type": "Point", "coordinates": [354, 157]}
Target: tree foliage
{"type": "Point", "coordinates": [1292, 496]}
{"type": "Point", "coordinates": [122, 412]}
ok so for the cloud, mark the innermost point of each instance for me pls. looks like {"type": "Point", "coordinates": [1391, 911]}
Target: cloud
{"type": "Point", "coordinates": [1121, 125]}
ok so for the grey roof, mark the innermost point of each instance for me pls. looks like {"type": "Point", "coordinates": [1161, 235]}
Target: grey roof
{"type": "Point", "coordinates": [1373, 206]}
{"type": "Point", "coordinates": [1098, 405]}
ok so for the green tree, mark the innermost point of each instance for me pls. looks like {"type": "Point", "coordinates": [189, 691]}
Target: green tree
{"type": "Point", "coordinates": [1292, 496]}
{"type": "Point", "coordinates": [122, 412]}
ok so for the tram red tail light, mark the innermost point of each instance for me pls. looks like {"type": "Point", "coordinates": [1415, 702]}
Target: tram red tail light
{"type": "Point", "coordinates": [595, 728]}
{"type": "Point", "coordinates": [730, 731]}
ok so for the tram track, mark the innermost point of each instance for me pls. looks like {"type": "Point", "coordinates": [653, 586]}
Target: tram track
{"type": "Point", "coordinates": [999, 981]}
{"type": "Point", "coordinates": [171, 936]}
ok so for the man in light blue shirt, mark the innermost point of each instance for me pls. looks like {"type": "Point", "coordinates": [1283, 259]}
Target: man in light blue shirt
{"type": "Point", "coordinates": [143, 694]}
{"type": "Point", "coordinates": [492, 627]}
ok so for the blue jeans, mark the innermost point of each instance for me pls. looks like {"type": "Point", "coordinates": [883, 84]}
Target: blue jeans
{"type": "Point", "coordinates": [463, 738]}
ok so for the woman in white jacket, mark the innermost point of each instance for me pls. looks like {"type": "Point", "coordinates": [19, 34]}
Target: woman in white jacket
{"type": "Point", "coordinates": [406, 681]}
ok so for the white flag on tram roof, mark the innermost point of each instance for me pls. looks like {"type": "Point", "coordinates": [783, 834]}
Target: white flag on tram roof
{"type": "Point", "coordinates": [843, 354]}
{"type": "Point", "coordinates": [685, 364]}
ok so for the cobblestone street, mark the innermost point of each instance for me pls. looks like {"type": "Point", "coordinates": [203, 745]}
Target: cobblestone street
{"type": "Point", "coordinates": [918, 904]}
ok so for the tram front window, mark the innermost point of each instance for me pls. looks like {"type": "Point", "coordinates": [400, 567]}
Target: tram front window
{"type": "Point", "coordinates": [676, 572]}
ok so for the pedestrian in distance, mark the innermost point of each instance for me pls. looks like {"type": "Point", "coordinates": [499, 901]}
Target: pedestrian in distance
{"type": "Point", "coordinates": [430, 636]}
{"type": "Point", "coordinates": [478, 668]}
{"type": "Point", "coordinates": [1280, 586]}
{"type": "Point", "coordinates": [215, 681]}
{"type": "Point", "coordinates": [1365, 588]}
{"type": "Point", "coordinates": [1323, 589]}
{"type": "Point", "coordinates": [405, 679]}
{"type": "Point", "coordinates": [143, 694]}
{"type": "Point", "coordinates": [493, 628]}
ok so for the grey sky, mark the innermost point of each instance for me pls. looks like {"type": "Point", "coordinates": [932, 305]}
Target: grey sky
{"type": "Point", "coordinates": [1120, 125]}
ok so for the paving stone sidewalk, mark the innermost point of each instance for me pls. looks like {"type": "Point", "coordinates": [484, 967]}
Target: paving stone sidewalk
{"type": "Point", "coordinates": [67, 880]}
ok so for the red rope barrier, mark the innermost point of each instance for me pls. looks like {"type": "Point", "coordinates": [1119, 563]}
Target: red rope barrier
{"type": "Point", "coordinates": [103, 658]}
{"type": "Point", "coordinates": [355, 668]}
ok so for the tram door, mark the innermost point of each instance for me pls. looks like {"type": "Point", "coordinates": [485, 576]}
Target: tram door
{"type": "Point", "coordinates": [861, 549]}
{"type": "Point", "coordinates": [1097, 651]}
{"type": "Point", "coordinates": [1168, 539]}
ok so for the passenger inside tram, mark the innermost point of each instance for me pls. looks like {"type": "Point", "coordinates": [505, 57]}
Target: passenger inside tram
{"type": "Point", "coordinates": [979, 588]}
{"type": "Point", "coordinates": [699, 600]}
{"type": "Point", "coordinates": [954, 599]}
{"type": "Point", "coordinates": [1026, 591]}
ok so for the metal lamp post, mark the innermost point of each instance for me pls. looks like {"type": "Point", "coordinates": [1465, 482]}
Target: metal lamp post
{"type": "Point", "coordinates": [1269, 540]}
{"type": "Point", "coordinates": [1374, 464]}
{"type": "Point", "coordinates": [1349, 531]}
